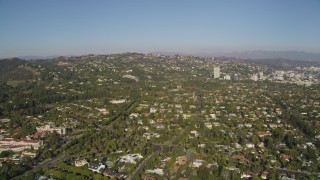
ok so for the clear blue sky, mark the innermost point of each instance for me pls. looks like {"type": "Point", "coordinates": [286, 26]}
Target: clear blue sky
{"type": "Point", "coordinates": [74, 27]}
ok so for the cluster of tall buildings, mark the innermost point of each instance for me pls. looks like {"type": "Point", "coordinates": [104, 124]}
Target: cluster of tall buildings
{"type": "Point", "coordinates": [257, 77]}
{"type": "Point", "coordinates": [217, 74]}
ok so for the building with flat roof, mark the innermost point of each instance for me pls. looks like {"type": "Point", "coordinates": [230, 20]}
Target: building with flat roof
{"type": "Point", "coordinates": [17, 145]}
{"type": "Point", "coordinates": [216, 72]}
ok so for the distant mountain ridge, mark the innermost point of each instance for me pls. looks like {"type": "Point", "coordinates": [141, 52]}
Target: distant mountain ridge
{"type": "Point", "coordinates": [291, 55]}
{"type": "Point", "coordinates": [255, 55]}
{"type": "Point", "coordinates": [36, 57]}
{"type": "Point", "coordinates": [30, 57]}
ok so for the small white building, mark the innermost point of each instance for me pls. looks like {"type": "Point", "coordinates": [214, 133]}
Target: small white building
{"type": "Point", "coordinates": [254, 77]}
{"type": "Point", "coordinates": [130, 158]}
{"type": "Point", "coordinates": [96, 167]}
{"type": "Point", "coordinates": [208, 125]}
{"type": "Point", "coordinates": [194, 133]}
{"type": "Point", "coordinates": [213, 116]}
{"type": "Point", "coordinates": [157, 171]}
{"type": "Point", "coordinates": [197, 163]}
{"type": "Point", "coordinates": [249, 145]}
{"type": "Point", "coordinates": [79, 163]}
{"type": "Point", "coordinates": [153, 110]}
{"type": "Point", "coordinates": [226, 77]}
{"type": "Point", "coordinates": [151, 135]}
{"type": "Point", "coordinates": [134, 115]}
{"type": "Point", "coordinates": [118, 101]}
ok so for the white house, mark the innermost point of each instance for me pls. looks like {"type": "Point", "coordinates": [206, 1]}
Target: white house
{"type": "Point", "coordinates": [197, 163]}
{"type": "Point", "coordinates": [250, 145]}
{"type": "Point", "coordinates": [153, 110]}
{"type": "Point", "coordinates": [96, 167]}
{"type": "Point", "coordinates": [130, 158]}
{"type": "Point", "coordinates": [157, 171]}
{"type": "Point", "coordinates": [79, 163]}
{"type": "Point", "coordinates": [194, 134]}
{"type": "Point", "coordinates": [208, 125]}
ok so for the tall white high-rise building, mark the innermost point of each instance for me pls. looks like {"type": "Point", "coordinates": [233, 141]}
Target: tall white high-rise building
{"type": "Point", "coordinates": [216, 72]}
{"type": "Point", "coordinates": [260, 76]}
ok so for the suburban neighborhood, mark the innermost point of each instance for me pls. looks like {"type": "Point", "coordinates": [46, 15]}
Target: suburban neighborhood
{"type": "Point", "coordinates": [151, 116]}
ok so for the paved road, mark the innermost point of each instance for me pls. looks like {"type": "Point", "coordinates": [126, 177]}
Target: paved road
{"type": "Point", "coordinates": [301, 173]}
{"type": "Point", "coordinates": [51, 162]}
{"type": "Point", "coordinates": [136, 172]}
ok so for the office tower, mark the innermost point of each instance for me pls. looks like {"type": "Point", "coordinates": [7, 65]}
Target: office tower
{"type": "Point", "coordinates": [216, 72]}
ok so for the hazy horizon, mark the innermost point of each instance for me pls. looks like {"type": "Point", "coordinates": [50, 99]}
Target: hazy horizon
{"type": "Point", "coordinates": [47, 28]}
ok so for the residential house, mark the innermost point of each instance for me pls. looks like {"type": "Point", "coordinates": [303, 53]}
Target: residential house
{"type": "Point", "coordinates": [96, 167]}
{"type": "Point", "coordinates": [208, 125]}
{"type": "Point", "coordinates": [157, 171]}
{"type": "Point", "coordinates": [197, 163]}
{"type": "Point", "coordinates": [249, 145]}
{"type": "Point", "coordinates": [79, 163]}
{"type": "Point", "coordinates": [130, 158]}
{"type": "Point", "coordinates": [151, 135]}
{"type": "Point", "coordinates": [194, 133]}
{"type": "Point", "coordinates": [114, 174]}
